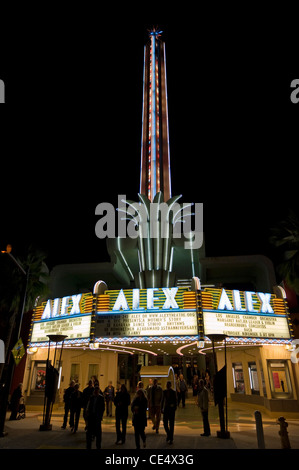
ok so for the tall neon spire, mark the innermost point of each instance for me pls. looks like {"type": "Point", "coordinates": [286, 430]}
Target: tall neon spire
{"type": "Point", "coordinates": [155, 159]}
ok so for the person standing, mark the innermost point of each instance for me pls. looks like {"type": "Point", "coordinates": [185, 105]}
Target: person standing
{"type": "Point", "coordinates": [15, 402]}
{"type": "Point", "coordinates": [87, 393]}
{"type": "Point", "coordinates": [140, 386]}
{"type": "Point", "coordinates": [148, 391]}
{"type": "Point", "coordinates": [182, 389]}
{"type": "Point", "coordinates": [155, 397]}
{"type": "Point", "coordinates": [109, 397]}
{"type": "Point", "coordinates": [195, 388]}
{"type": "Point", "coordinates": [121, 401]}
{"type": "Point", "coordinates": [169, 405]}
{"type": "Point", "coordinates": [76, 403]}
{"type": "Point", "coordinates": [139, 407]}
{"type": "Point", "coordinates": [66, 398]}
{"type": "Point", "coordinates": [203, 403]}
{"type": "Point", "coordinates": [149, 386]}
{"type": "Point", "coordinates": [94, 414]}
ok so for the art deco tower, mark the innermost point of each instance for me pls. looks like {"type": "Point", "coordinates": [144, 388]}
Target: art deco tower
{"type": "Point", "coordinates": [155, 161]}
{"type": "Point", "coordinates": [154, 257]}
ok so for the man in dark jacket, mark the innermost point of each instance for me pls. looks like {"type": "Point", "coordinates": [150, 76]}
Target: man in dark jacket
{"type": "Point", "coordinates": [203, 403]}
{"type": "Point", "coordinates": [169, 406]}
{"type": "Point", "coordinates": [87, 393]}
{"type": "Point", "coordinates": [155, 399]}
{"type": "Point", "coordinates": [182, 389]}
{"type": "Point", "coordinates": [109, 397]}
{"type": "Point", "coordinates": [67, 401]}
{"type": "Point", "coordinates": [121, 401]}
{"type": "Point", "coordinates": [94, 413]}
{"type": "Point", "coordinates": [139, 407]}
{"type": "Point", "coordinates": [76, 403]}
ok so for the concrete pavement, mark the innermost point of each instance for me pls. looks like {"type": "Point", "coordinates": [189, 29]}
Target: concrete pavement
{"type": "Point", "coordinates": [25, 434]}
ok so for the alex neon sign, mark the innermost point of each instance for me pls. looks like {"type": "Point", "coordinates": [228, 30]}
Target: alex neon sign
{"type": "Point", "coordinates": [69, 305]}
{"type": "Point", "coordinates": [245, 314]}
{"type": "Point", "coordinates": [154, 296]}
{"type": "Point", "coordinates": [254, 301]}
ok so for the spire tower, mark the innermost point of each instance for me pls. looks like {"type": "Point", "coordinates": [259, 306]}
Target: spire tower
{"type": "Point", "coordinates": [155, 159]}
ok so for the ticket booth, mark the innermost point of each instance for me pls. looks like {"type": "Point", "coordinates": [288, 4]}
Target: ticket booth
{"type": "Point", "coordinates": [162, 373]}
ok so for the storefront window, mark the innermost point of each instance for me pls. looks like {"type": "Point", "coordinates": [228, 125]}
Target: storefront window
{"type": "Point", "coordinates": [279, 376]}
{"type": "Point", "coordinates": [238, 377]}
{"type": "Point", "coordinates": [75, 370]}
{"type": "Point", "coordinates": [253, 378]}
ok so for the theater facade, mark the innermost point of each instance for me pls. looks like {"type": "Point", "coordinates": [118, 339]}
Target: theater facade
{"type": "Point", "coordinates": [166, 305]}
{"type": "Point", "coordinates": [106, 325]}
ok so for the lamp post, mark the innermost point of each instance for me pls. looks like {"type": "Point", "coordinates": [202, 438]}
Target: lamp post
{"type": "Point", "coordinates": [52, 375]}
{"type": "Point", "coordinates": [220, 392]}
{"type": "Point", "coordinates": [8, 370]}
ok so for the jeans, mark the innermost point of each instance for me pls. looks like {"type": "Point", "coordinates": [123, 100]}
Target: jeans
{"type": "Point", "coordinates": [121, 420]}
{"type": "Point", "coordinates": [74, 418]}
{"type": "Point", "coordinates": [66, 412]}
{"type": "Point", "coordinates": [139, 432]}
{"type": "Point", "coordinates": [109, 407]}
{"type": "Point", "coordinates": [94, 428]}
{"type": "Point", "coordinates": [168, 421]}
{"type": "Point", "coordinates": [181, 396]}
{"type": "Point", "coordinates": [156, 416]}
{"type": "Point", "coordinates": [206, 424]}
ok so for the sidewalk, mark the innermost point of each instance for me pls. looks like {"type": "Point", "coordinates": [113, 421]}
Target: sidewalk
{"type": "Point", "coordinates": [25, 434]}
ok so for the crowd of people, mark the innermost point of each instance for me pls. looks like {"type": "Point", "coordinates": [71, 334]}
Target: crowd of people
{"type": "Point", "coordinates": [150, 403]}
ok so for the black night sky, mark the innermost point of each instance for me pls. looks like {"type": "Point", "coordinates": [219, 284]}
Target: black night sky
{"type": "Point", "coordinates": [71, 127]}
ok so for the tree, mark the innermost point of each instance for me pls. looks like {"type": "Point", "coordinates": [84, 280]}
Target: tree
{"type": "Point", "coordinates": [285, 237]}
{"type": "Point", "coordinates": [12, 285]}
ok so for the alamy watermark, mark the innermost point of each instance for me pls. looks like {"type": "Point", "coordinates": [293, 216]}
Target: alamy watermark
{"type": "Point", "coordinates": [151, 220]}
{"type": "Point", "coordinates": [295, 93]}
{"type": "Point", "coordinates": [2, 94]}
{"type": "Point", "coordinates": [2, 352]}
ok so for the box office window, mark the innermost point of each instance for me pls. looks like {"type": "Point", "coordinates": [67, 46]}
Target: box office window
{"type": "Point", "coordinates": [253, 378]}
{"type": "Point", "coordinates": [279, 377]}
{"type": "Point", "coordinates": [238, 377]}
{"type": "Point", "coordinates": [93, 372]}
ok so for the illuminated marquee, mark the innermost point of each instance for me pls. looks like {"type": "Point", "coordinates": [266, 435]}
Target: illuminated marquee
{"type": "Point", "coordinates": [175, 312]}
{"type": "Point", "coordinates": [147, 312]}
{"type": "Point", "coordinates": [244, 314]}
{"type": "Point", "coordinates": [70, 316]}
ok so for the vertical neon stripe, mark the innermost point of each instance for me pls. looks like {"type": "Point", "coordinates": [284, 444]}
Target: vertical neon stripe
{"type": "Point", "coordinates": [142, 131]}
{"type": "Point", "coordinates": [153, 137]}
{"type": "Point", "coordinates": [167, 123]}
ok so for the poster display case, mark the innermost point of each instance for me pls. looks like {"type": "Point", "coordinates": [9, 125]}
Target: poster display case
{"type": "Point", "coordinates": [238, 376]}
{"type": "Point", "coordinates": [279, 377]}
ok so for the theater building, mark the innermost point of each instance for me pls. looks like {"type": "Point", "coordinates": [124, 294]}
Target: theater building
{"type": "Point", "coordinates": [160, 300]}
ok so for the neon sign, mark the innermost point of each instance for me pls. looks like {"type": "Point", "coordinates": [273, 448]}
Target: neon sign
{"type": "Point", "coordinates": [69, 315]}
{"type": "Point", "coordinates": [69, 305]}
{"type": "Point", "coordinates": [153, 296]}
{"type": "Point", "coordinates": [245, 314]}
{"type": "Point", "coordinates": [251, 300]}
{"type": "Point", "coordinates": [147, 312]}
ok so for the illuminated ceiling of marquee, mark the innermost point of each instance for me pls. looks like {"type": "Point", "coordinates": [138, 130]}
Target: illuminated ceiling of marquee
{"type": "Point", "coordinates": [175, 348]}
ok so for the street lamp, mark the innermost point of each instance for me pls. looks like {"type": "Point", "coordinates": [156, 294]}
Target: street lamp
{"type": "Point", "coordinates": [8, 369]}
{"type": "Point", "coordinates": [52, 376]}
{"type": "Point", "coordinates": [220, 387]}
